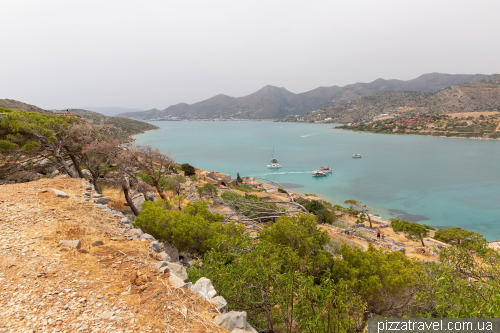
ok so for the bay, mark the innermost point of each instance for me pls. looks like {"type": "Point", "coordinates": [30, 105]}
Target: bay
{"type": "Point", "coordinates": [437, 181]}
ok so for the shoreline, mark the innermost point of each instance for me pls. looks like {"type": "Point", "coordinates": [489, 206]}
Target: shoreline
{"type": "Point", "coordinates": [412, 134]}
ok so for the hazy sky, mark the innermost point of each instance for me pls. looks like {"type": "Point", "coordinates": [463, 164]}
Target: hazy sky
{"type": "Point", "coordinates": [145, 54]}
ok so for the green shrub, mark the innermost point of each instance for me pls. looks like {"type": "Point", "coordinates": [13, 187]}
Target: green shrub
{"type": "Point", "coordinates": [314, 206]}
{"type": "Point", "coordinates": [188, 169]}
{"type": "Point", "coordinates": [324, 216]}
{"type": "Point", "coordinates": [456, 235]}
{"type": "Point", "coordinates": [281, 190]}
{"type": "Point", "coordinates": [207, 189]}
{"type": "Point", "coordinates": [195, 229]}
{"type": "Point", "coordinates": [297, 232]}
{"type": "Point", "coordinates": [270, 284]}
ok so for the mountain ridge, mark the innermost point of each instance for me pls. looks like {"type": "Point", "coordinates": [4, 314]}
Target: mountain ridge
{"type": "Point", "coordinates": [272, 102]}
{"type": "Point", "coordinates": [466, 97]}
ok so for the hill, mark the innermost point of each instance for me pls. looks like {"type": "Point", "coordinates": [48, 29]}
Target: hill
{"type": "Point", "coordinates": [273, 102]}
{"type": "Point", "coordinates": [111, 111]}
{"type": "Point", "coordinates": [467, 97]}
{"type": "Point", "coordinates": [128, 126]}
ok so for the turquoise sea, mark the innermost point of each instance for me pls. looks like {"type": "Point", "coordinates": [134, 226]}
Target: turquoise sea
{"type": "Point", "coordinates": [437, 181]}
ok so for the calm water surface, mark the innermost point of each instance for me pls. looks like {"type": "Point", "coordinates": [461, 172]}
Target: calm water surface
{"type": "Point", "coordinates": [437, 181]}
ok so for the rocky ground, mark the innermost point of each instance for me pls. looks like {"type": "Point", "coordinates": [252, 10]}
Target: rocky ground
{"type": "Point", "coordinates": [113, 287]}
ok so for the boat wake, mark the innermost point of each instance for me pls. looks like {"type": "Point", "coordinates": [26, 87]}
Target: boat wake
{"type": "Point", "coordinates": [279, 173]}
{"type": "Point", "coordinates": [305, 136]}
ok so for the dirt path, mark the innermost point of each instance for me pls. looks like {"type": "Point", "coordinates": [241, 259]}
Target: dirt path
{"type": "Point", "coordinates": [111, 288]}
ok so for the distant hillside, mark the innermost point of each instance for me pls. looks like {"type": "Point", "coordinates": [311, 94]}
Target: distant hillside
{"type": "Point", "coordinates": [467, 97]}
{"type": "Point", "coordinates": [128, 126]}
{"type": "Point", "coordinates": [111, 110]}
{"type": "Point", "coordinates": [272, 102]}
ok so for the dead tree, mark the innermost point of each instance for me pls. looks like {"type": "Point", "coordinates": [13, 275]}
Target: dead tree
{"type": "Point", "coordinates": [152, 161]}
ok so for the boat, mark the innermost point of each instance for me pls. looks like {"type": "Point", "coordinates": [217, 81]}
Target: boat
{"type": "Point", "coordinates": [318, 173]}
{"type": "Point", "coordinates": [273, 164]}
{"type": "Point", "coordinates": [356, 156]}
{"type": "Point", "coordinates": [325, 169]}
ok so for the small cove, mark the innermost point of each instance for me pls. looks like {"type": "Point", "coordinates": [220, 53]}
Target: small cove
{"type": "Point", "coordinates": [437, 181]}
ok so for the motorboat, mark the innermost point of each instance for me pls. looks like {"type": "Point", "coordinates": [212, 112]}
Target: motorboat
{"type": "Point", "coordinates": [273, 163]}
{"type": "Point", "coordinates": [356, 156]}
{"type": "Point", "coordinates": [325, 169]}
{"type": "Point", "coordinates": [318, 173]}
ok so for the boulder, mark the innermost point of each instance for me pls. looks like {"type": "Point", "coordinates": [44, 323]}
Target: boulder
{"type": "Point", "coordinates": [203, 288]}
{"type": "Point", "coordinates": [136, 231]}
{"type": "Point", "coordinates": [125, 220]}
{"type": "Point", "coordinates": [234, 320]}
{"type": "Point", "coordinates": [97, 243]}
{"type": "Point", "coordinates": [164, 256]}
{"type": "Point", "coordinates": [58, 193]}
{"type": "Point", "coordinates": [162, 266]}
{"type": "Point", "coordinates": [172, 251]}
{"type": "Point", "coordinates": [147, 237]}
{"type": "Point", "coordinates": [138, 200]}
{"type": "Point", "coordinates": [102, 201]}
{"type": "Point", "coordinates": [178, 270]}
{"type": "Point", "coordinates": [176, 281]}
{"type": "Point", "coordinates": [76, 244]}
{"type": "Point", "coordinates": [155, 246]}
{"type": "Point", "coordinates": [220, 304]}
{"type": "Point", "coordinates": [96, 195]}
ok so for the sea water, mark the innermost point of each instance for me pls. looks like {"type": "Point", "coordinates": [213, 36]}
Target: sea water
{"type": "Point", "coordinates": [437, 181]}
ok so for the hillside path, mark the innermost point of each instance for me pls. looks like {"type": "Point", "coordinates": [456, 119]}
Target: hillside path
{"type": "Point", "coordinates": [112, 288]}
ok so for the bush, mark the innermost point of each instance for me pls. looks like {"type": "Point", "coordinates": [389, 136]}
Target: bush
{"type": "Point", "coordinates": [188, 169]}
{"type": "Point", "coordinates": [386, 281]}
{"type": "Point", "coordinates": [269, 283]}
{"type": "Point", "coordinates": [281, 190]}
{"type": "Point", "coordinates": [207, 189]}
{"type": "Point", "coordinates": [456, 235]}
{"type": "Point", "coordinates": [297, 232]}
{"type": "Point", "coordinates": [314, 206]}
{"type": "Point", "coordinates": [195, 229]}
{"type": "Point", "coordinates": [324, 216]}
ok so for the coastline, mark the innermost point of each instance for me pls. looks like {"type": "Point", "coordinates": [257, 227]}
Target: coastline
{"type": "Point", "coordinates": [412, 134]}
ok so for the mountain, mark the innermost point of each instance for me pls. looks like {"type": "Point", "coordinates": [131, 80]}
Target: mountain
{"type": "Point", "coordinates": [272, 102]}
{"type": "Point", "coordinates": [128, 126]}
{"type": "Point", "coordinates": [467, 97]}
{"type": "Point", "coordinates": [111, 110]}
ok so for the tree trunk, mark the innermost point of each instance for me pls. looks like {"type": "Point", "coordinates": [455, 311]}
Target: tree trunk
{"type": "Point", "coordinates": [76, 165]}
{"type": "Point", "coordinates": [369, 219]}
{"type": "Point", "coordinates": [422, 240]}
{"type": "Point", "coordinates": [64, 166]}
{"type": "Point", "coordinates": [126, 192]}
{"type": "Point", "coordinates": [159, 189]}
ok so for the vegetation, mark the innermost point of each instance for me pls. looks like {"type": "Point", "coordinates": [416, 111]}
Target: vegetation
{"type": "Point", "coordinates": [207, 190]}
{"type": "Point", "coordinates": [188, 169]}
{"type": "Point", "coordinates": [361, 209]}
{"type": "Point", "coordinates": [411, 229]}
{"type": "Point", "coordinates": [456, 236]}
{"type": "Point", "coordinates": [194, 229]}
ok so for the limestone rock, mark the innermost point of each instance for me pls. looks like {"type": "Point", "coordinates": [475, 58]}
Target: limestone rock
{"type": "Point", "coordinates": [160, 265]}
{"type": "Point", "coordinates": [76, 244]}
{"type": "Point", "coordinates": [234, 320]}
{"type": "Point", "coordinates": [164, 256]}
{"type": "Point", "coordinates": [147, 237]}
{"type": "Point", "coordinates": [176, 281]}
{"type": "Point", "coordinates": [138, 200]}
{"type": "Point", "coordinates": [178, 270]}
{"type": "Point", "coordinates": [58, 193]}
{"type": "Point", "coordinates": [102, 201]}
{"type": "Point", "coordinates": [203, 288]}
{"type": "Point", "coordinates": [155, 246]}
{"type": "Point", "coordinates": [220, 304]}
{"type": "Point", "coordinates": [136, 231]}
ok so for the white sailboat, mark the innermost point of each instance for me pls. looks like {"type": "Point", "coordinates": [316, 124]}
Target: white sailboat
{"type": "Point", "coordinates": [273, 164]}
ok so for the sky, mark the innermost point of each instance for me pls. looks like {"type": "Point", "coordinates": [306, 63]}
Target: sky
{"type": "Point", "coordinates": [153, 54]}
